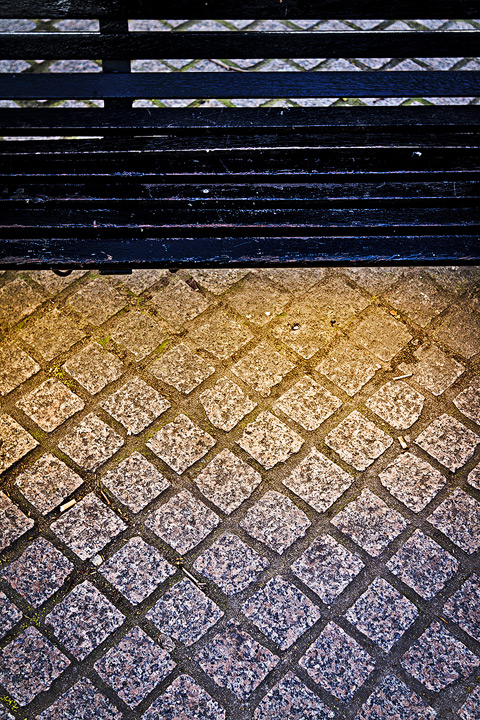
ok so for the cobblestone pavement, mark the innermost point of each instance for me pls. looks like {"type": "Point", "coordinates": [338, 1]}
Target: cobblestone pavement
{"type": "Point", "coordinates": [240, 494]}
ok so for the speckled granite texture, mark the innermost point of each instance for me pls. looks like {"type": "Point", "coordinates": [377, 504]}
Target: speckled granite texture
{"type": "Point", "coordinates": [206, 514]}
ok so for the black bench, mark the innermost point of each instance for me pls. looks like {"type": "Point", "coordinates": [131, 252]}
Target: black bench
{"type": "Point", "coordinates": [218, 186]}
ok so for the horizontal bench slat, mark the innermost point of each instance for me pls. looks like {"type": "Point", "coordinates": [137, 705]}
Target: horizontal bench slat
{"type": "Point", "coordinates": [239, 45]}
{"type": "Point", "coordinates": [139, 251]}
{"type": "Point", "coordinates": [248, 9]}
{"type": "Point", "coordinates": [236, 85]}
{"type": "Point", "coordinates": [77, 121]}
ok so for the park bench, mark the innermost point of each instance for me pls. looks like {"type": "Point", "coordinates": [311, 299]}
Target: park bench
{"type": "Point", "coordinates": [119, 186]}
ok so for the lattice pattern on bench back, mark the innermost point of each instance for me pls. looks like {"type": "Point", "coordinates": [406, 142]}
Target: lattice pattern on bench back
{"type": "Point", "coordinates": [167, 186]}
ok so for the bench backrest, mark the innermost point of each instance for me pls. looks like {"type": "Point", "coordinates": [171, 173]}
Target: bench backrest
{"type": "Point", "coordinates": [250, 148]}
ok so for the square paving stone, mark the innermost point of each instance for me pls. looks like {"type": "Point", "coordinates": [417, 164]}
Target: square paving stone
{"type": "Point", "coordinates": [393, 700]}
{"type": "Point", "coordinates": [29, 665]}
{"type": "Point", "coordinates": [455, 278]}
{"type": "Point", "coordinates": [348, 367]}
{"type": "Point", "coordinates": [337, 662]}
{"type": "Point", "coordinates": [262, 369]}
{"type": "Point", "coordinates": [358, 441]}
{"type": "Point", "coordinates": [257, 299]}
{"type": "Point", "coordinates": [308, 403]}
{"type": "Point", "coordinates": [176, 302]}
{"type": "Point", "coordinates": [231, 564]}
{"type": "Point", "coordinates": [91, 443]}
{"type": "Point", "coordinates": [13, 523]}
{"type": "Point", "coordinates": [39, 572]}
{"type": "Point", "coordinates": [236, 661]}
{"type": "Point", "coordinates": [335, 300]}
{"type": "Point", "coordinates": [468, 401]}
{"type": "Point", "coordinates": [47, 483]}
{"type": "Point", "coordinates": [397, 403]}
{"type": "Point", "coordinates": [50, 404]}
{"type": "Point", "coordinates": [140, 280]}
{"type": "Point", "coordinates": [269, 441]}
{"type": "Point", "coordinates": [221, 336]}
{"type": "Point", "coordinates": [318, 481]}
{"type": "Point", "coordinates": [327, 568]}
{"type": "Point", "coordinates": [458, 517]}
{"type": "Point", "coordinates": [4, 715]}
{"type": "Point", "coordinates": [380, 333]}
{"type": "Point", "coordinates": [303, 330]}
{"type": "Point", "coordinates": [276, 521]}
{"type": "Point", "coordinates": [423, 565]}
{"type": "Point", "coordinates": [77, 704]}
{"type": "Point", "coordinates": [218, 280]}
{"type": "Point", "coordinates": [134, 667]}
{"type": "Point", "coordinates": [181, 443]}
{"type": "Point", "coordinates": [136, 570]}
{"type": "Point", "coordinates": [52, 283]}
{"type": "Point", "coordinates": [471, 709]}
{"type": "Point", "coordinates": [135, 482]}
{"type": "Point", "coordinates": [295, 280]}
{"type": "Point", "coordinates": [448, 441]}
{"type": "Point", "coordinates": [16, 366]}
{"type": "Point", "coordinates": [370, 522]}
{"type": "Point", "coordinates": [9, 615]}
{"type": "Point", "coordinates": [225, 404]}
{"type": "Point", "coordinates": [97, 301]}
{"type": "Point", "coordinates": [52, 334]}
{"type": "Point", "coordinates": [290, 698]}
{"type": "Point", "coordinates": [474, 477]}
{"type": "Point", "coordinates": [88, 526]}
{"type": "Point", "coordinates": [184, 613]}
{"type": "Point", "coordinates": [15, 442]}
{"type": "Point", "coordinates": [382, 614]}
{"type": "Point", "coordinates": [460, 330]}
{"type": "Point", "coordinates": [136, 405]}
{"type": "Point", "coordinates": [464, 607]}
{"type": "Point", "coordinates": [94, 368]}
{"type": "Point", "coordinates": [281, 612]}
{"type": "Point", "coordinates": [17, 300]}
{"type": "Point", "coordinates": [182, 369]}
{"type": "Point", "coordinates": [418, 297]}
{"type": "Point", "coordinates": [412, 481]}
{"type": "Point", "coordinates": [227, 481]}
{"type": "Point", "coordinates": [433, 369]}
{"type": "Point", "coordinates": [186, 700]}
{"type": "Point", "coordinates": [139, 333]}
{"type": "Point", "coordinates": [437, 659]}
{"type": "Point", "coordinates": [83, 620]}
{"type": "Point", "coordinates": [182, 522]}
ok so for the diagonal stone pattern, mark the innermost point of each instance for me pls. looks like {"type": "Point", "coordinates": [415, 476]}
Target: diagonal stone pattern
{"type": "Point", "coordinates": [185, 544]}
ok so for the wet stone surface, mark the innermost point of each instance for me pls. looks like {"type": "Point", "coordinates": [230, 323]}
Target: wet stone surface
{"type": "Point", "coordinates": [39, 572]}
{"type": "Point", "coordinates": [136, 570]}
{"type": "Point", "coordinates": [337, 662]}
